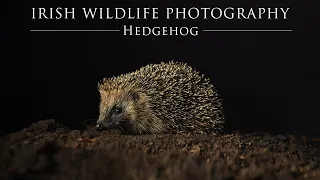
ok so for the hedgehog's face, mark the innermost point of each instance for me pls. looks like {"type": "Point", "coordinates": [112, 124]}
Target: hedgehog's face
{"type": "Point", "coordinates": [117, 110]}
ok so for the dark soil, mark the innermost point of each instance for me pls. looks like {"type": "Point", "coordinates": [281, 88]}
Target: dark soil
{"type": "Point", "coordinates": [47, 150]}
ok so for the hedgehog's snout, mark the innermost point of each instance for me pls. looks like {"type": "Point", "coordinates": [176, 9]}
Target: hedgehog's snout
{"type": "Point", "coordinates": [102, 125]}
{"type": "Point", "coordinates": [99, 127]}
{"type": "Point", "coordinates": [108, 121]}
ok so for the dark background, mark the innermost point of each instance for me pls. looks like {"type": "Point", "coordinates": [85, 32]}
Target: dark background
{"type": "Point", "coordinates": [267, 79]}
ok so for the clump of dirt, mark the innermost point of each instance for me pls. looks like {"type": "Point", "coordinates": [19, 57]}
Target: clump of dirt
{"type": "Point", "coordinates": [47, 150]}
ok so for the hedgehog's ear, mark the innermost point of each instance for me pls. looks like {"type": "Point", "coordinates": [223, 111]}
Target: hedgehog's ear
{"type": "Point", "coordinates": [134, 95]}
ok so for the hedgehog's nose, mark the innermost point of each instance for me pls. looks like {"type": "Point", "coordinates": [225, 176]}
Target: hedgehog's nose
{"type": "Point", "coordinates": [99, 127]}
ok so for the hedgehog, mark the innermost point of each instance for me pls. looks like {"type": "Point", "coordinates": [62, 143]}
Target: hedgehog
{"type": "Point", "coordinates": [169, 97]}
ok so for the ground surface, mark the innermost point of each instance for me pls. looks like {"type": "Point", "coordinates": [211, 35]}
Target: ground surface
{"type": "Point", "coordinates": [47, 150]}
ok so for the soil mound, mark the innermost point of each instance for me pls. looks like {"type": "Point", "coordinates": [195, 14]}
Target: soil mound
{"type": "Point", "coordinates": [48, 150]}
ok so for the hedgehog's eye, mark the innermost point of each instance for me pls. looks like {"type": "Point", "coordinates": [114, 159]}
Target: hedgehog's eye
{"type": "Point", "coordinates": [117, 110]}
